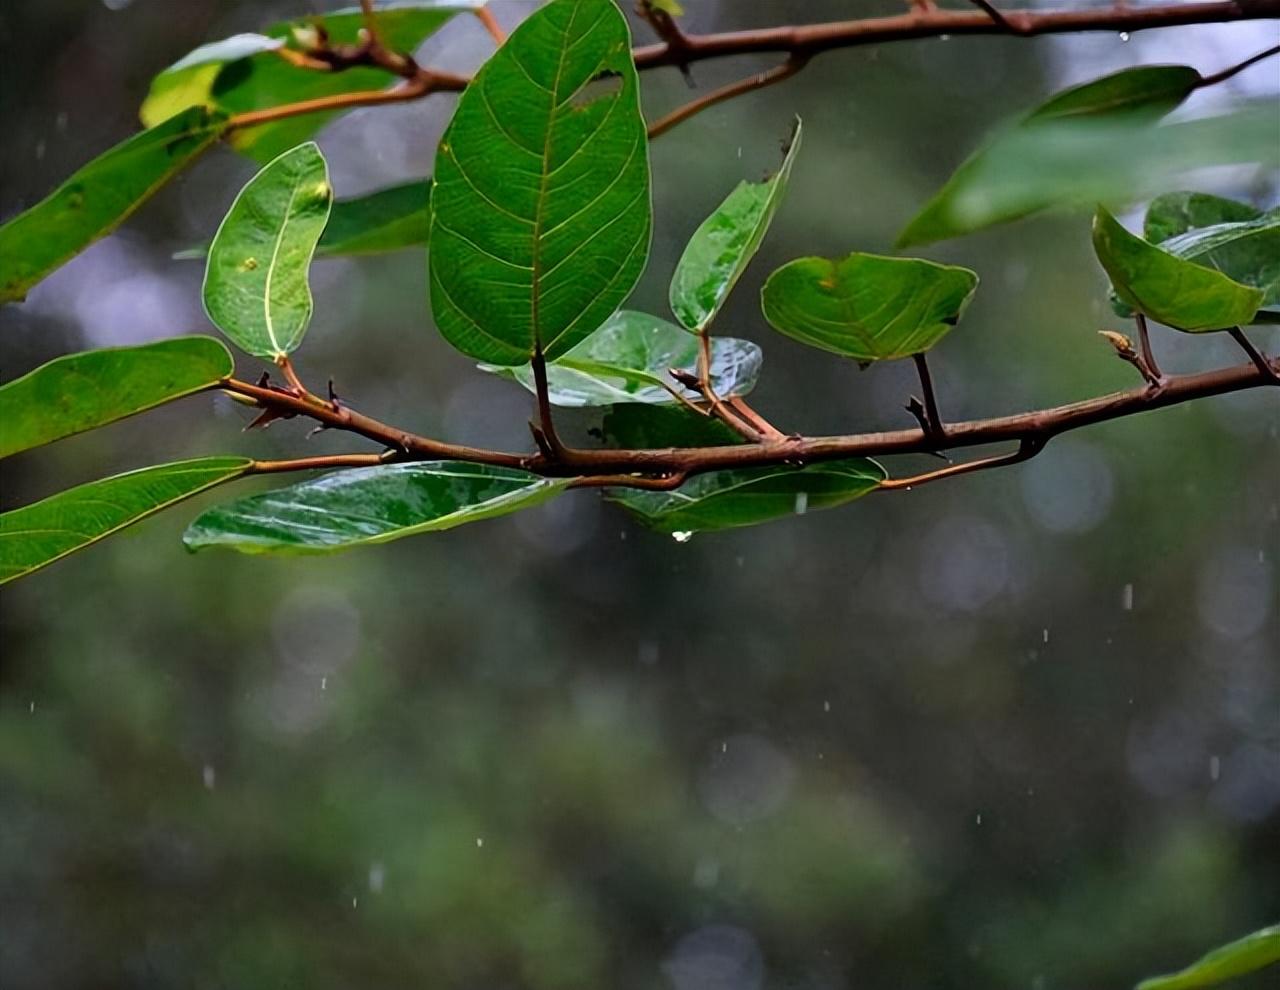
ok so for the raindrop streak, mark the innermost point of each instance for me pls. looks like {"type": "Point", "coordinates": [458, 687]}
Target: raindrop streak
{"type": "Point", "coordinates": [479, 842]}
{"type": "Point", "coordinates": [802, 503]}
{"type": "Point", "coordinates": [682, 536]}
{"type": "Point", "coordinates": [33, 708]}
{"type": "Point", "coordinates": [1126, 598]}
{"type": "Point", "coordinates": [1046, 635]}
{"type": "Point", "coordinates": [977, 819]}
{"type": "Point", "coordinates": [209, 776]}
{"type": "Point", "coordinates": [1215, 768]}
{"type": "Point", "coordinates": [324, 682]}
{"type": "Point", "coordinates": [826, 706]}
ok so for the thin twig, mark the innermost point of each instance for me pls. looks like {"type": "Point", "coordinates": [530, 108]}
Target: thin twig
{"type": "Point", "coordinates": [322, 463]}
{"type": "Point", "coordinates": [491, 24]}
{"type": "Point", "coordinates": [932, 420]}
{"type": "Point", "coordinates": [291, 376]}
{"type": "Point", "coordinates": [546, 422]}
{"type": "Point", "coordinates": [758, 81]}
{"type": "Point", "coordinates": [372, 33]}
{"type": "Point", "coordinates": [1148, 355]}
{"type": "Point", "coordinates": [1255, 355]}
{"type": "Point", "coordinates": [766, 429]}
{"type": "Point", "coordinates": [662, 483]}
{"type": "Point", "coordinates": [1227, 73]}
{"type": "Point", "coordinates": [1027, 449]}
{"type": "Point", "coordinates": [1123, 347]}
{"type": "Point", "coordinates": [718, 407]}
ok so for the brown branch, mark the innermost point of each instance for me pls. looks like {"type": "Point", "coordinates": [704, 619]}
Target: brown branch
{"type": "Point", "coordinates": [1006, 21]}
{"type": "Point", "coordinates": [491, 24]}
{"type": "Point", "coordinates": [1123, 347]}
{"type": "Point", "coordinates": [324, 462]}
{"type": "Point", "coordinates": [1256, 356]}
{"type": "Point", "coordinates": [932, 421]}
{"type": "Point", "coordinates": [758, 81]}
{"type": "Point", "coordinates": [1148, 355]}
{"type": "Point", "coordinates": [1027, 449]}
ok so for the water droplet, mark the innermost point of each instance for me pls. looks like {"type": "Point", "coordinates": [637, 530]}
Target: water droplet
{"type": "Point", "coordinates": [802, 503]}
{"type": "Point", "coordinates": [479, 842]}
{"type": "Point", "coordinates": [377, 876]}
{"type": "Point", "coordinates": [209, 776]}
{"type": "Point", "coordinates": [944, 37]}
{"type": "Point", "coordinates": [977, 819]}
{"type": "Point", "coordinates": [1126, 598]}
{"type": "Point", "coordinates": [324, 682]}
{"type": "Point", "coordinates": [1124, 36]}
{"type": "Point", "coordinates": [724, 747]}
{"type": "Point", "coordinates": [355, 901]}
{"type": "Point", "coordinates": [1215, 767]}
{"type": "Point", "coordinates": [826, 706]}
{"type": "Point", "coordinates": [1046, 635]}
{"type": "Point", "coordinates": [682, 536]}
{"type": "Point", "coordinates": [33, 708]}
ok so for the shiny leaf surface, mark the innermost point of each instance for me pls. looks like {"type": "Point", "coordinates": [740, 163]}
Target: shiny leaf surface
{"type": "Point", "coordinates": [34, 536]}
{"type": "Point", "coordinates": [541, 198]}
{"type": "Point", "coordinates": [386, 220]}
{"type": "Point", "coordinates": [82, 391]}
{"type": "Point", "coordinates": [1246, 955]}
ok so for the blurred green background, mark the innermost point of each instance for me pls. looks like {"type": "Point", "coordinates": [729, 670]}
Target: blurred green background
{"type": "Point", "coordinates": [1016, 730]}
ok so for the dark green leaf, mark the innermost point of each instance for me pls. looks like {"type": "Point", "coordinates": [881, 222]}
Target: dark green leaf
{"type": "Point", "coordinates": [626, 360]}
{"type": "Point", "coordinates": [1246, 955]}
{"type": "Point", "coordinates": [1176, 213]}
{"type": "Point", "coordinates": [725, 499]}
{"type": "Point", "coordinates": [256, 286]}
{"type": "Point", "coordinates": [1135, 97]}
{"type": "Point", "coordinates": [865, 306]}
{"type": "Point", "coordinates": [81, 391]}
{"type": "Point", "coordinates": [1247, 252]}
{"type": "Point", "coordinates": [37, 535]}
{"type": "Point", "coordinates": [98, 198]}
{"type": "Point", "coordinates": [541, 198]}
{"type": "Point", "coordinates": [1181, 294]}
{"type": "Point", "coordinates": [632, 426]}
{"type": "Point", "coordinates": [370, 505]}
{"type": "Point", "coordinates": [724, 245]}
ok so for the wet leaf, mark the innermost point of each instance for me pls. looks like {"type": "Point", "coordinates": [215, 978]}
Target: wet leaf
{"type": "Point", "coordinates": [98, 198]}
{"type": "Point", "coordinates": [82, 391]}
{"type": "Point", "coordinates": [370, 505]}
{"type": "Point", "coordinates": [626, 360]}
{"type": "Point", "coordinates": [1176, 213]}
{"type": "Point", "coordinates": [723, 246]}
{"type": "Point", "coordinates": [541, 198]}
{"type": "Point", "coordinates": [1176, 292]}
{"type": "Point", "coordinates": [34, 536]}
{"type": "Point", "coordinates": [256, 285]}
{"type": "Point", "coordinates": [746, 497]}
{"type": "Point", "coordinates": [865, 306]}
{"type": "Point", "coordinates": [1246, 955]}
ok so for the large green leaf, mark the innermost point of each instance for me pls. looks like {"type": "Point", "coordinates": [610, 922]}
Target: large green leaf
{"type": "Point", "coordinates": [243, 73]}
{"type": "Point", "coordinates": [1246, 955]}
{"type": "Point", "coordinates": [723, 246]}
{"type": "Point", "coordinates": [81, 391]}
{"type": "Point", "coordinates": [369, 505]}
{"type": "Point", "coordinates": [37, 535]}
{"type": "Point", "coordinates": [865, 306]}
{"type": "Point", "coordinates": [1177, 212]}
{"type": "Point", "coordinates": [1137, 96]}
{"type": "Point", "coordinates": [626, 360]}
{"type": "Point", "coordinates": [98, 198]}
{"type": "Point", "coordinates": [541, 197]}
{"type": "Point", "coordinates": [725, 499]}
{"type": "Point", "coordinates": [256, 286]}
{"type": "Point", "coordinates": [1247, 252]}
{"type": "Point", "coordinates": [1179, 293]}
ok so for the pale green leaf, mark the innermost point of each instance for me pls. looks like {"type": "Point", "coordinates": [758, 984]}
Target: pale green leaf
{"type": "Point", "coordinates": [541, 198]}
{"type": "Point", "coordinates": [98, 198]}
{"type": "Point", "coordinates": [256, 285]}
{"type": "Point", "coordinates": [627, 360]}
{"type": "Point", "coordinates": [723, 246]}
{"type": "Point", "coordinates": [370, 505]}
{"type": "Point", "coordinates": [36, 535]}
{"type": "Point", "coordinates": [82, 391]}
{"type": "Point", "coordinates": [189, 81]}
{"type": "Point", "coordinates": [865, 306]}
{"type": "Point", "coordinates": [1247, 955]}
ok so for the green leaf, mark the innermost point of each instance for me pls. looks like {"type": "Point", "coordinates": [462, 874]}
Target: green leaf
{"type": "Point", "coordinates": [865, 306]}
{"type": "Point", "coordinates": [626, 360]}
{"type": "Point", "coordinates": [1178, 293]}
{"type": "Point", "coordinates": [1246, 955]}
{"type": "Point", "coordinates": [36, 535]}
{"type": "Point", "coordinates": [1074, 161]}
{"type": "Point", "coordinates": [98, 198]}
{"type": "Point", "coordinates": [1137, 97]}
{"type": "Point", "coordinates": [1247, 252]}
{"type": "Point", "coordinates": [633, 426]}
{"type": "Point", "coordinates": [723, 246]}
{"type": "Point", "coordinates": [235, 77]}
{"type": "Point", "coordinates": [1178, 212]}
{"type": "Point", "coordinates": [256, 287]}
{"type": "Point", "coordinates": [745, 497]}
{"type": "Point", "coordinates": [82, 391]}
{"type": "Point", "coordinates": [367, 506]}
{"type": "Point", "coordinates": [541, 195]}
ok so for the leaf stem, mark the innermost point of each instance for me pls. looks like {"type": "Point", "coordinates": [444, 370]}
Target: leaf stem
{"type": "Point", "coordinates": [1148, 355]}
{"type": "Point", "coordinates": [933, 422]}
{"type": "Point", "coordinates": [1256, 356]}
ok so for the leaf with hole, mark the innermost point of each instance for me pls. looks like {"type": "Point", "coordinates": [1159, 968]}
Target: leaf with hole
{"type": "Point", "coordinates": [748, 496]}
{"type": "Point", "coordinates": [369, 505]}
{"type": "Point", "coordinates": [34, 536]}
{"type": "Point", "coordinates": [627, 359]}
{"type": "Point", "coordinates": [1182, 294]}
{"type": "Point", "coordinates": [865, 306]}
{"type": "Point", "coordinates": [723, 246]}
{"type": "Point", "coordinates": [541, 198]}
{"type": "Point", "coordinates": [256, 285]}
{"type": "Point", "coordinates": [1176, 213]}
{"type": "Point", "coordinates": [98, 198]}
{"type": "Point", "coordinates": [82, 391]}
{"type": "Point", "coordinates": [1239, 958]}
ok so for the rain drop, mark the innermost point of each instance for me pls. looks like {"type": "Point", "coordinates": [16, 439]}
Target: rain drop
{"type": "Point", "coordinates": [802, 503]}
{"type": "Point", "coordinates": [1046, 635]}
{"type": "Point", "coordinates": [33, 708]}
{"type": "Point", "coordinates": [1215, 767]}
{"type": "Point", "coordinates": [977, 819]}
{"type": "Point", "coordinates": [1126, 598]}
{"type": "Point", "coordinates": [826, 706]}
{"type": "Point", "coordinates": [324, 682]}
{"type": "Point", "coordinates": [479, 842]}
{"type": "Point", "coordinates": [1124, 37]}
{"type": "Point", "coordinates": [209, 776]}
{"type": "Point", "coordinates": [682, 536]}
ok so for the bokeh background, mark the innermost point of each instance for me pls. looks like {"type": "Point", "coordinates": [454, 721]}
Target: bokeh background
{"type": "Point", "coordinates": [1017, 730]}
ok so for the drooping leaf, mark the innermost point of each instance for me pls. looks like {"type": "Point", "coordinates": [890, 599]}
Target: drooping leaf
{"type": "Point", "coordinates": [237, 78]}
{"type": "Point", "coordinates": [633, 426]}
{"type": "Point", "coordinates": [82, 391]}
{"type": "Point", "coordinates": [36, 535]}
{"type": "Point", "coordinates": [865, 306]}
{"type": "Point", "coordinates": [1176, 292]}
{"type": "Point", "coordinates": [541, 198]}
{"type": "Point", "coordinates": [98, 198]}
{"type": "Point", "coordinates": [746, 497]}
{"type": "Point", "coordinates": [1178, 212]}
{"type": "Point", "coordinates": [626, 360]}
{"type": "Point", "coordinates": [723, 246]}
{"type": "Point", "coordinates": [1247, 955]}
{"type": "Point", "coordinates": [1137, 97]}
{"type": "Point", "coordinates": [256, 286]}
{"type": "Point", "coordinates": [1079, 161]}
{"type": "Point", "coordinates": [367, 506]}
